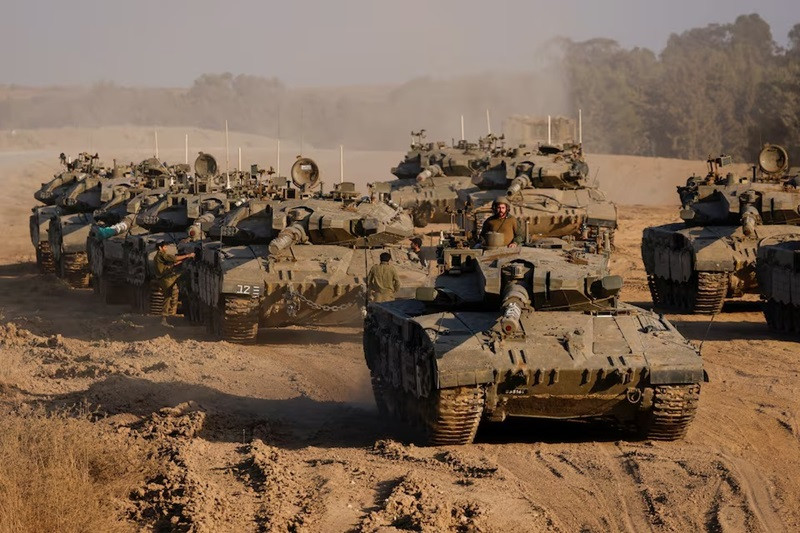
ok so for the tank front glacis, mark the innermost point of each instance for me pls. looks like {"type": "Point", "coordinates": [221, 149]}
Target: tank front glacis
{"type": "Point", "coordinates": [299, 259]}
{"type": "Point", "coordinates": [430, 176]}
{"type": "Point", "coordinates": [778, 273]}
{"type": "Point", "coordinates": [547, 191]}
{"type": "Point", "coordinates": [527, 332]}
{"type": "Point", "coordinates": [695, 265]}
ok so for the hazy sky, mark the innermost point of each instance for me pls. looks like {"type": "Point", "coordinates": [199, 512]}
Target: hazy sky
{"type": "Point", "coordinates": [328, 42]}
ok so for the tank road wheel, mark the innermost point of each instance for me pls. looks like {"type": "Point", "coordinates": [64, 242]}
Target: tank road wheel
{"type": "Point", "coordinates": [44, 258]}
{"type": "Point", "coordinates": [674, 407]}
{"type": "Point", "coordinates": [451, 416]}
{"type": "Point", "coordinates": [238, 320]}
{"type": "Point", "coordinates": [709, 294]}
{"type": "Point", "coordinates": [74, 270]}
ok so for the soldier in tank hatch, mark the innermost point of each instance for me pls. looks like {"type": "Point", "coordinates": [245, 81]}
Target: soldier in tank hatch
{"type": "Point", "coordinates": [502, 222]}
{"type": "Point", "coordinates": [382, 280]}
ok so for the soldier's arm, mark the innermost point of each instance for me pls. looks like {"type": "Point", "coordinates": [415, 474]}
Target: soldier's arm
{"type": "Point", "coordinates": [395, 280]}
{"type": "Point", "coordinates": [519, 238]}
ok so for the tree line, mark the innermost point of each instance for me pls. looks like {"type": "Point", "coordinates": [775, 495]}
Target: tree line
{"type": "Point", "coordinates": [721, 88]}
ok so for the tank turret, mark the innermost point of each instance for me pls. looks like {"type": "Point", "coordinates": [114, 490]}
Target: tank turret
{"type": "Point", "coordinates": [533, 331]}
{"type": "Point", "coordinates": [548, 193]}
{"type": "Point", "coordinates": [430, 176]}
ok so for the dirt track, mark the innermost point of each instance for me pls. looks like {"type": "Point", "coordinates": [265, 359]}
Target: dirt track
{"type": "Point", "coordinates": [284, 435]}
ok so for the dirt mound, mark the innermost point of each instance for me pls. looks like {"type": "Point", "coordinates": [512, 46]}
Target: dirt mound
{"type": "Point", "coordinates": [416, 504]}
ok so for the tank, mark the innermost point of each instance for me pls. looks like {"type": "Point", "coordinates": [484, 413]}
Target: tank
{"type": "Point", "coordinates": [48, 194]}
{"type": "Point", "coordinates": [534, 331]}
{"type": "Point", "coordinates": [69, 227]}
{"type": "Point", "coordinates": [695, 265]}
{"type": "Point", "coordinates": [165, 204]}
{"type": "Point", "coordinates": [778, 274]}
{"type": "Point", "coordinates": [301, 259]}
{"type": "Point", "coordinates": [430, 176]}
{"type": "Point", "coordinates": [549, 192]}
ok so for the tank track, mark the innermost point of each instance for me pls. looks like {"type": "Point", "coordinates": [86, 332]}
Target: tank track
{"type": "Point", "coordinates": [452, 415]}
{"type": "Point", "coordinates": [703, 294]}
{"type": "Point", "coordinates": [74, 269]}
{"type": "Point", "coordinates": [238, 320]}
{"type": "Point", "coordinates": [148, 299]}
{"type": "Point", "coordinates": [44, 258]}
{"type": "Point", "coordinates": [782, 317]}
{"type": "Point", "coordinates": [674, 408]}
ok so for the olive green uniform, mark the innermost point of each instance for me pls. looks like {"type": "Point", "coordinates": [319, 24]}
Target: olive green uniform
{"type": "Point", "coordinates": [167, 279]}
{"type": "Point", "coordinates": [508, 226]}
{"type": "Point", "coordinates": [382, 283]}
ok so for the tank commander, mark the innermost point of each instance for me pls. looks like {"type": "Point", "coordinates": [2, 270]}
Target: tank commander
{"type": "Point", "coordinates": [167, 275]}
{"type": "Point", "coordinates": [382, 280]}
{"type": "Point", "coordinates": [415, 252]}
{"type": "Point", "coordinates": [502, 222]}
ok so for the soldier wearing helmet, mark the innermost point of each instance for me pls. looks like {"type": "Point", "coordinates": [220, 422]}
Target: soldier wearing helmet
{"type": "Point", "coordinates": [502, 222]}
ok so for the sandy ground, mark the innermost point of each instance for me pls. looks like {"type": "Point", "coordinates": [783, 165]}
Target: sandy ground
{"type": "Point", "coordinates": [284, 435]}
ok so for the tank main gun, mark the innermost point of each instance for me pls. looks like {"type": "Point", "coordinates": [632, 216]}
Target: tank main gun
{"type": "Point", "coordinates": [294, 234]}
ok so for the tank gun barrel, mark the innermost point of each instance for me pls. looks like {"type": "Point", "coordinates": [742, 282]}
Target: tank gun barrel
{"type": "Point", "coordinates": [517, 184]}
{"type": "Point", "coordinates": [118, 228]}
{"type": "Point", "coordinates": [515, 297]}
{"type": "Point", "coordinates": [287, 237]}
{"type": "Point", "coordinates": [195, 231]}
{"type": "Point", "coordinates": [430, 172]}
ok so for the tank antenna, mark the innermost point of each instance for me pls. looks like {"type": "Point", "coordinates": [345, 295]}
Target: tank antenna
{"type": "Point", "coordinates": [488, 122]}
{"type": "Point", "coordinates": [302, 131]}
{"type": "Point", "coordinates": [580, 127]}
{"type": "Point", "coordinates": [227, 159]}
{"type": "Point", "coordinates": [186, 149]}
{"type": "Point", "coordinates": [549, 136]}
{"type": "Point", "coordinates": [708, 328]}
{"type": "Point", "coordinates": [155, 132]}
{"type": "Point", "coordinates": [462, 127]}
{"type": "Point", "coordinates": [239, 173]}
{"type": "Point", "coordinates": [278, 162]}
{"type": "Point", "coordinates": [341, 163]}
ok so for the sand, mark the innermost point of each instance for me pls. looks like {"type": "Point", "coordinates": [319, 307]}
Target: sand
{"type": "Point", "coordinates": [284, 435]}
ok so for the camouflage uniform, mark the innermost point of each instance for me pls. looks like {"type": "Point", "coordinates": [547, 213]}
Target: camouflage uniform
{"type": "Point", "coordinates": [167, 280]}
{"type": "Point", "coordinates": [382, 283]}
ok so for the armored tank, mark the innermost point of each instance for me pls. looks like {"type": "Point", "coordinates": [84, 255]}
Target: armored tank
{"type": "Point", "coordinates": [48, 194]}
{"type": "Point", "coordinates": [548, 191]}
{"type": "Point", "coordinates": [104, 245]}
{"type": "Point", "coordinates": [533, 331]}
{"type": "Point", "coordinates": [300, 259]}
{"type": "Point", "coordinates": [430, 176]}
{"type": "Point", "coordinates": [778, 274]}
{"type": "Point", "coordinates": [695, 265]}
{"type": "Point", "coordinates": [69, 228]}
